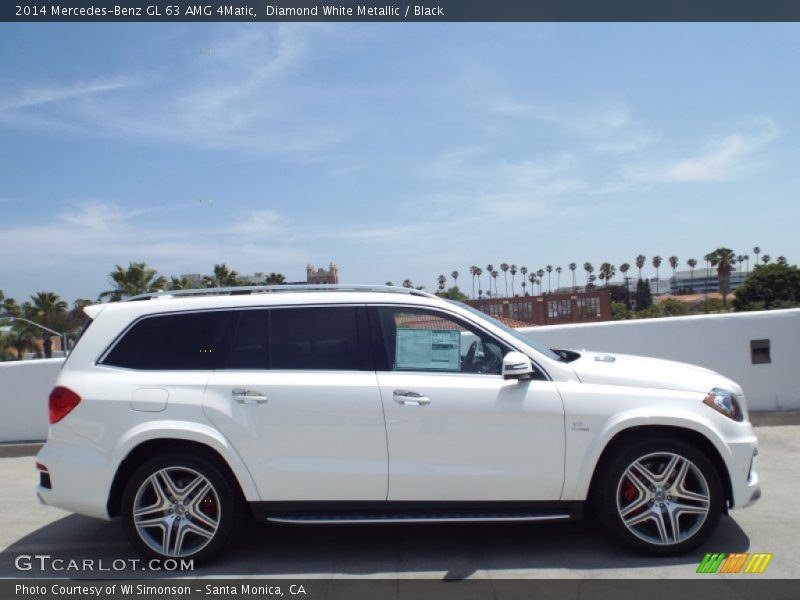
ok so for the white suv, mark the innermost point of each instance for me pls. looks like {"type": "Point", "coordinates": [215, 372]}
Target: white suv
{"type": "Point", "coordinates": [356, 404]}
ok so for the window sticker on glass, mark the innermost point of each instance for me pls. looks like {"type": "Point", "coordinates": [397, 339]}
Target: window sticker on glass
{"type": "Point", "coordinates": [427, 349]}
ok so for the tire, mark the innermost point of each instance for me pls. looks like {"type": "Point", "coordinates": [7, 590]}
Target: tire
{"type": "Point", "coordinates": [180, 506]}
{"type": "Point", "coordinates": [646, 491]}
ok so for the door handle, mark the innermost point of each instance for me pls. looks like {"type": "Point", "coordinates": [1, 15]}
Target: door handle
{"type": "Point", "coordinates": [243, 396]}
{"type": "Point", "coordinates": [408, 398]}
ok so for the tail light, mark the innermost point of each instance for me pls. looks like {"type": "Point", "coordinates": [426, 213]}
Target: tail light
{"type": "Point", "coordinates": [62, 401]}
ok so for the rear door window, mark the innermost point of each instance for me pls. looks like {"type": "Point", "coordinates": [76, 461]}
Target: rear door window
{"type": "Point", "coordinates": [315, 338]}
{"type": "Point", "coordinates": [183, 341]}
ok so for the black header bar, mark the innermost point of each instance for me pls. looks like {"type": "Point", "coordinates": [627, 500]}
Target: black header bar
{"type": "Point", "coordinates": [388, 11]}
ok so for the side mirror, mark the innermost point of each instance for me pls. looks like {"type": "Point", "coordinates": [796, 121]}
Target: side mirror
{"type": "Point", "coordinates": [517, 366]}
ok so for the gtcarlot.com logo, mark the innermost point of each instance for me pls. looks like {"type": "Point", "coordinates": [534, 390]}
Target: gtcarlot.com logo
{"type": "Point", "coordinates": [738, 562]}
{"type": "Point", "coordinates": [46, 563]}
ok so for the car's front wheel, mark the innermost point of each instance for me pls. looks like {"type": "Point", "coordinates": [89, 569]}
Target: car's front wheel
{"type": "Point", "coordinates": [660, 496]}
{"type": "Point", "coordinates": [179, 506]}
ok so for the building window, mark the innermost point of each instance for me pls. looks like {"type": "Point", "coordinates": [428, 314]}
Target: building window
{"type": "Point", "coordinates": [588, 307]}
{"type": "Point", "coordinates": [494, 308]}
{"type": "Point", "coordinates": [559, 309]}
{"type": "Point", "coordinates": [521, 311]}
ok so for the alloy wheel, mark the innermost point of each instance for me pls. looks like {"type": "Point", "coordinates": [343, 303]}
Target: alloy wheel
{"type": "Point", "coordinates": [176, 511]}
{"type": "Point", "coordinates": [663, 498]}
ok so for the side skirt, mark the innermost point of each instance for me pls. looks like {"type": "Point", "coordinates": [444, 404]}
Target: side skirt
{"type": "Point", "coordinates": [377, 512]}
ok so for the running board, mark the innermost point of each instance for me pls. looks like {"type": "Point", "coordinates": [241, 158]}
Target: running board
{"type": "Point", "coordinates": [414, 518]}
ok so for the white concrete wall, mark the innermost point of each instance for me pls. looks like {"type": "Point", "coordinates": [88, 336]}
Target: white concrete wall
{"type": "Point", "coordinates": [718, 342]}
{"type": "Point", "coordinates": [24, 388]}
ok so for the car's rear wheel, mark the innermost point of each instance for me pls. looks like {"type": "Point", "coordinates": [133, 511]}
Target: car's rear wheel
{"type": "Point", "coordinates": [659, 496]}
{"type": "Point", "coordinates": [179, 506]}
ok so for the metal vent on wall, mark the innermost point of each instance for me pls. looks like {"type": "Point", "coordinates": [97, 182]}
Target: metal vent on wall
{"type": "Point", "coordinates": [759, 352]}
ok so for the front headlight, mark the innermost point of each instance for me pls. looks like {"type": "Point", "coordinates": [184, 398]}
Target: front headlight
{"type": "Point", "coordinates": [724, 401]}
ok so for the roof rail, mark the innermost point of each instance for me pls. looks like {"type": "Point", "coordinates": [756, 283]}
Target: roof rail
{"type": "Point", "coordinates": [261, 289]}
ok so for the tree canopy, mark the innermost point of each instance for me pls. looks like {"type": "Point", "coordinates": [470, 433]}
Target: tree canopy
{"type": "Point", "coordinates": [769, 286]}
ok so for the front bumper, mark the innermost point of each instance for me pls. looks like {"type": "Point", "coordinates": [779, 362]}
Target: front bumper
{"type": "Point", "coordinates": [745, 487]}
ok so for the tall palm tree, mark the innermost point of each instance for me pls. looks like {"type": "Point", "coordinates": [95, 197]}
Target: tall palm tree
{"type": "Point", "coordinates": [454, 275]}
{"type": "Point", "coordinates": [624, 268]}
{"type": "Point", "coordinates": [724, 259]}
{"type": "Point", "coordinates": [607, 272]}
{"type": "Point", "coordinates": [494, 275]}
{"type": "Point", "coordinates": [756, 251]}
{"type": "Point", "coordinates": [572, 266]}
{"type": "Point", "coordinates": [587, 266]}
{"type": "Point", "coordinates": [513, 270]}
{"type": "Point", "coordinates": [558, 277]}
{"type": "Point", "coordinates": [549, 269]}
{"type": "Point", "coordinates": [692, 262]}
{"type": "Point", "coordinates": [766, 258]}
{"type": "Point", "coordinates": [640, 260]}
{"type": "Point", "coordinates": [472, 270]}
{"type": "Point", "coordinates": [478, 273]}
{"type": "Point", "coordinates": [707, 258]}
{"type": "Point", "coordinates": [673, 262]}
{"type": "Point", "coordinates": [524, 272]}
{"type": "Point", "coordinates": [489, 269]}
{"type": "Point", "coordinates": [532, 279]}
{"type": "Point", "coordinates": [656, 264]}
{"type": "Point", "coordinates": [504, 269]}
{"type": "Point", "coordinates": [747, 261]}
{"type": "Point", "coordinates": [137, 279]}
{"type": "Point", "coordinates": [442, 281]}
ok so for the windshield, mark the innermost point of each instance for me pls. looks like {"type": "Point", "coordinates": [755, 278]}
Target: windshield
{"type": "Point", "coordinates": [541, 349]}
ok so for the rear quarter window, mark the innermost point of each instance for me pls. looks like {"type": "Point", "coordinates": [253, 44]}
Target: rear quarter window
{"type": "Point", "coordinates": [184, 341]}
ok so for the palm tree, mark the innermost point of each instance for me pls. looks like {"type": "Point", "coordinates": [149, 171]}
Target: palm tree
{"type": "Point", "coordinates": [454, 275]}
{"type": "Point", "coordinates": [532, 279]}
{"type": "Point", "coordinates": [673, 262]}
{"type": "Point", "coordinates": [656, 264]}
{"type": "Point", "coordinates": [781, 260]}
{"type": "Point", "coordinates": [223, 277]}
{"type": "Point", "coordinates": [572, 267]}
{"type": "Point", "coordinates": [504, 269]}
{"type": "Point", "coordinates": [442, 281]}
{"type": "Point", "coordinates": [549, 269]}
{"type": "Point", "coordinates": [692, 264]}
{"type": "Point", "coordinates": [137, 279]}
{"type": "Point", "coordinates": [747, 261]}
{"type": "Point", "coordinates": [181, 283]}
{"type": "Point", "coordinates": [707, 258]}
{"type": "Point", "coordinates": [274, 279]}
{"type": "Point", "coordinates": [22, 339]}
{"type": "Point", "coordinates": [724, 259]}
{"type": "Point", "coordinates": [587, 266]}
{"type": "Point", "coordinates": [472, 270]}
{"type": "Point", "coordinates": [489, 269]}
{"type": "Point", "coordinates": [623, 268]}
{"type": "Point", "coordinates": [524, 272]}
{"type": "Point", "coordinates": [407, 283]}
{"type": "Point", "coordinates": [478, 273]}
{"type": "Point", "coordinates": [51, 311]}
{"type": "Point", "coordinates": [558, 278]}
{"type": "Point", "coordinates": [756, 251]}
{"type": "Point", "coordinates": [640, 260]}
{"type": "Point", "coordinates": [513, 270]}
{"type": "Point", "coordinates": [494, 275]}
{"type": "Point", "coordinates": [607, 272]}
{"type": "Point", "coordinates": [766, 258]}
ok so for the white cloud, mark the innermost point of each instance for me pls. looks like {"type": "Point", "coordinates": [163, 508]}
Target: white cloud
{"type": "Point", "coordinates": [721, 160]}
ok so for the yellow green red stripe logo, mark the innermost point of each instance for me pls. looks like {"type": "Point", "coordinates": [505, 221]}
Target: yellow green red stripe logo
{"type": "Point", "coordinates": [736, 562]}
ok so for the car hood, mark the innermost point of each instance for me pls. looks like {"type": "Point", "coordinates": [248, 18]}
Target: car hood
{"type": "Point", "coordinates": [643, 371]}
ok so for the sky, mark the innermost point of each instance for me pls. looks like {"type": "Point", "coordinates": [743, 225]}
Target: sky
{"type": "Point", "coordinates": [396, 150]}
